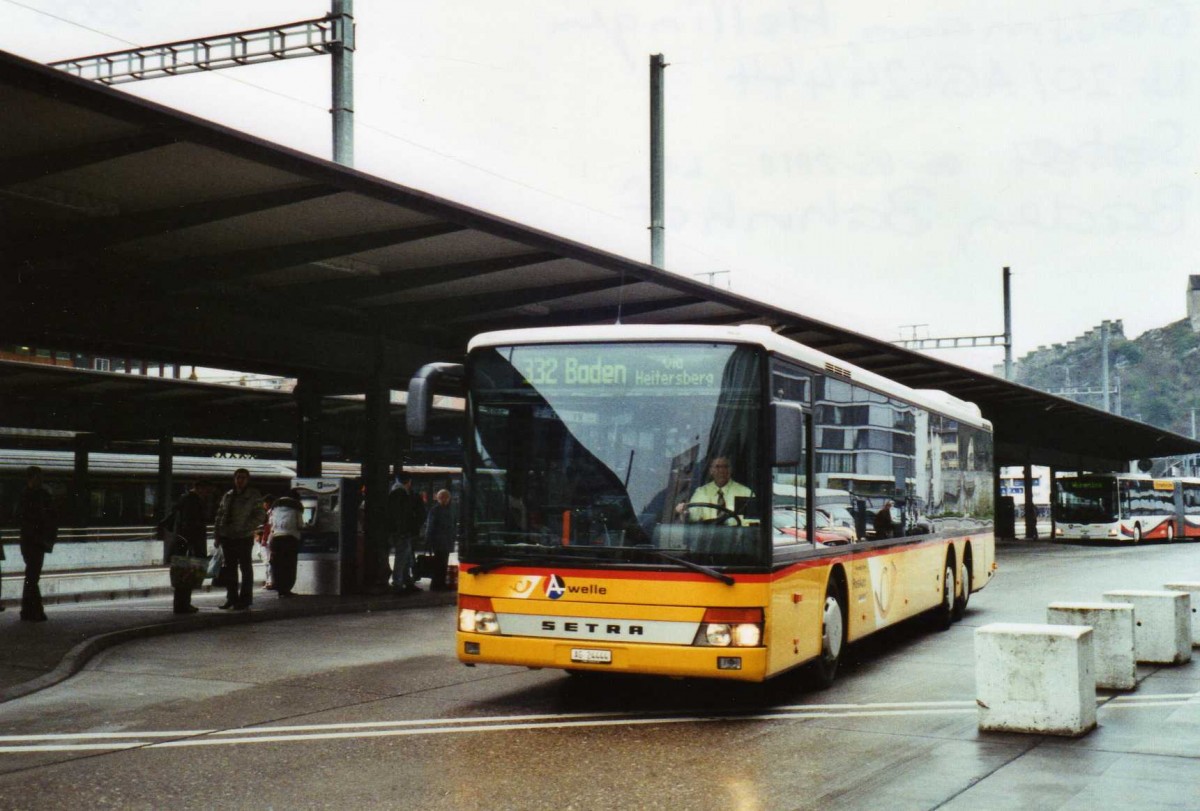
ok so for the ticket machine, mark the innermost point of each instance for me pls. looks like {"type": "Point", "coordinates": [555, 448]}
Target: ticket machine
{"type": "Point", "coordinates": [330, 537]}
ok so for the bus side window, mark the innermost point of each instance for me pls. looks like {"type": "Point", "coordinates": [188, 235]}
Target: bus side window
{"type": "Point", "coordinates": [789, 484]}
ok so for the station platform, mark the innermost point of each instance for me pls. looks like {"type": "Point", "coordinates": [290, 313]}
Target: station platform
{"type": "Point", "coordinates": [36, 655]}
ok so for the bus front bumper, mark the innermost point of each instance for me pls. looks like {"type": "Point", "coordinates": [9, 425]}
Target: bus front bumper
{"type": "Point", "coordinates": [734, 663]}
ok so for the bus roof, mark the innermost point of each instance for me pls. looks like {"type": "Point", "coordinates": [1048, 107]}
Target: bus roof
{"type": "Point", "coordinates": [756, 334]}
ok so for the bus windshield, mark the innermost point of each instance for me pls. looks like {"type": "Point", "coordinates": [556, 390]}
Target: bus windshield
{"type": "Point", "coordinates": [1086, 501]}
{"type": "Point", "coordinates": [616, 453]}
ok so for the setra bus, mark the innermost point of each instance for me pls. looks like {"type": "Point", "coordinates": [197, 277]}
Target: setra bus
{"type": "Point", "coordinates": [1116, 507]}
{"type": "Point", "coordinates": [621, 510]}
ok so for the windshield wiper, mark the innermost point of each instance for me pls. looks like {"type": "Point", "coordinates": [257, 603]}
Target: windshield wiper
{"type": "Point", "coordinates": [687, 564]}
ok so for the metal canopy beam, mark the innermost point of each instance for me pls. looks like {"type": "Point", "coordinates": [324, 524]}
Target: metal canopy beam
{"type": "Point", "coordinates": [63, 242]}
{"type": "Point", "coordinates": [484, 306]}
{"type": "Point", "coordinates": [195, 273]}
{"type": "Point", "coordinates": [400, 281]}
{"type": "Point", "coordinates": [594, 315]}
{"type": "Point", "coordinates": [34, 166]}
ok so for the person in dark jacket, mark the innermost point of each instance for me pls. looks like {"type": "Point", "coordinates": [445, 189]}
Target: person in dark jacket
{"type": "Point", "coordinates": [38, 531]}
{"type": "Point", "coordinates": [885, 527]}
{"type": "Point", "coordinates": [406, 516]}
{"type": "Point", "coordinates": [239, 515]}
{"type": "Point", "coordinates": [188, 524]}
{"type": "Point", "coordinates": [439, 538]}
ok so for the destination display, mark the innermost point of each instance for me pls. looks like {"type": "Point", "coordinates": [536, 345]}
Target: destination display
{"type": "Point", "coordinates": [658, 366]}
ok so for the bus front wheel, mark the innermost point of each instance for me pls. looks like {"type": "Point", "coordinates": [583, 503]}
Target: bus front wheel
{"type": "Point", "coordinates": [833, 637]}
{"type": "Point", "coordinates": [1170, 532]}
{"type": "Point", "coordinates": [1137, 533]}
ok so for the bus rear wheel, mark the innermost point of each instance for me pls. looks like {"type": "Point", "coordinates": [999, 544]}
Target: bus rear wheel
{"type": "Point", "coordinates": [943, 615]}
{"type": "Point", "coordinates": [1170, 533]}
{"type": "Point", "coordinates": [964, 580]}
{"type": "Point", "coordinates": [833, 637]}
{"type": "Point", "coordinates": [1137, 533]}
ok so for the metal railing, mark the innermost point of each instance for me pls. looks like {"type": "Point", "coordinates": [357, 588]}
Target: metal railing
{"type": "Point", "coordinates": [288, 41]}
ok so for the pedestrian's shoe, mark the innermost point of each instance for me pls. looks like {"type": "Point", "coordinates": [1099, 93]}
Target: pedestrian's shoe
{"type": "Point", "coordinates": [241, 606]}
{"type": "Point", "coordinates": [269, 586]}
{"type": "Point", "coordinates": [225, 606]}
{"type": "Point", "coordinates": [191, 609]}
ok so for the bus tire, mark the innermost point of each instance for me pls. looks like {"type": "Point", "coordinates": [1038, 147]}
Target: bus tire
{"type": "Point", "coordinates": [943, 615]}
{"type": "Point", "coordinates": [1170, 532]}
{"type": "Point", "coordinates": [833, 635]}
{"type": "Point", "coordinates": [1137, 532]}
{"type": "Point", "coordinates": [964, 581]}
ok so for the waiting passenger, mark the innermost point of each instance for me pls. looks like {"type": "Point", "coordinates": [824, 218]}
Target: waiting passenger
{"type": "Point", "coordinates": [284, 521]}
{"type": "Point", "coordinates": [239, 515]}
{"type": "Point", "coordinates": [39, 528]}
{"type": "Point", "coordinates": [884, 526]}
{"type": "Point", "coordinates": [188, 525]}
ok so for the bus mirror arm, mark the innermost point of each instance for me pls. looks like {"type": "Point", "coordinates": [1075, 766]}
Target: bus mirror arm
{"type": "Point", "coordinates": [430, 378]}
{"type": "Point", "coordinates": [788, 419]}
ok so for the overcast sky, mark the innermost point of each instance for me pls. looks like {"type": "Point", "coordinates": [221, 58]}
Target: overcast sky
{"type": "Point", "coordinates": [871, 164]}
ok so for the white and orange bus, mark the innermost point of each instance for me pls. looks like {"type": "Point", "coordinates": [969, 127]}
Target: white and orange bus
{"type": "Point", "coordinates": [621, 511]}
{"type": "Point", "coordinates": [1115, 507]}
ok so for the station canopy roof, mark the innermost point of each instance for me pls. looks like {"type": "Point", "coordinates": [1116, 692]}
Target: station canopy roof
{"type": "Point", "coordinates": [38, 401]}
{"type": "Point", "coordinates": [133, 229]}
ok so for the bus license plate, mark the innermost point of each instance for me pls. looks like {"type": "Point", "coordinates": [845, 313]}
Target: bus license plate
{"type": "Point", "coordinates": [591, 657]}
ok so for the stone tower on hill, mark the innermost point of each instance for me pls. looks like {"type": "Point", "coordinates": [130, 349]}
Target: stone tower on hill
{"type": "Point", "coordinates": [1193, 302]}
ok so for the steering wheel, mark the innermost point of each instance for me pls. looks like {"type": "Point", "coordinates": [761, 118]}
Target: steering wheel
{"type": "Point", "coordinates": [727, 514]}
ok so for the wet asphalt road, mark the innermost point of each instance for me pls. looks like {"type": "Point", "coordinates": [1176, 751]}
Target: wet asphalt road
{"type": "Point", "coordinates": [372, 711]}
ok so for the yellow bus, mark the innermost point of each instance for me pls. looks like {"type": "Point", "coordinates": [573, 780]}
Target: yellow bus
{"type": "Point", "coordinates": [623, 509]}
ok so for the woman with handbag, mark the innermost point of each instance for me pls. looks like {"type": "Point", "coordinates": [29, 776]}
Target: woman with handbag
{"type": "Point", "coordinates": [188, 523]}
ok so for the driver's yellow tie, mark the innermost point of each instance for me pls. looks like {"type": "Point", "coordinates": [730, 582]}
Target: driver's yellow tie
{"type": "Point", "coordinates": [720, 498]}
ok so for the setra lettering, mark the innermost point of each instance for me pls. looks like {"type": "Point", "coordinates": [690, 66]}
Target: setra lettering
{"type": "Point", "coordinates": [593, 628]}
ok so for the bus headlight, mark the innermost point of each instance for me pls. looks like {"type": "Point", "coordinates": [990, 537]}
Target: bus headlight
{"type": "Point", "coordinates": [731, 627]}
{"type": "Point", "coordinates": [475, 615]}
{"type": "Point", "coordinates": [747, 635]}
{"type": "Point", "coordinates": [717, 634]}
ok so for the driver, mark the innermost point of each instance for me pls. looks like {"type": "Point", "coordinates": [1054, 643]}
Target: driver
{"type": "Point", "coordinates": [721, 491]}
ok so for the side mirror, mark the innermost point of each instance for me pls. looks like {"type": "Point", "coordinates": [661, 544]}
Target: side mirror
{"type": "Point", "coordinates": [788, 419]}
{"type": "Point", "coordinates": [421, 389]}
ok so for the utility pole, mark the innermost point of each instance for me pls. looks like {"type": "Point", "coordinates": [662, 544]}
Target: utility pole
{"type": "Point", "coordinates": [1104, 365]}
{"type": "Point", "coordinates": [332, 34]}
{"type": "Point", "coordinates": [1007, 326]}
{"type": "Point", "coordinates": [657, 172]}
{"type": "Point", "coordinates": [342, 51]}
{"type": "Point", "coordinates": [971, 341]}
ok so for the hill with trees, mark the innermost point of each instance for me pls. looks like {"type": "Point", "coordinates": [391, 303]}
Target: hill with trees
{"type": "Point", "coordinates": [1154, 378]}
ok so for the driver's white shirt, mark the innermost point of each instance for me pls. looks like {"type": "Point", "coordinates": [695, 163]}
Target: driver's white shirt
{"type": "Point", "coordinates": [708, 494]}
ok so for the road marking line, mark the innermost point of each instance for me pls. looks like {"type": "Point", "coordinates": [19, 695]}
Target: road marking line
{"type": "Point", "coordinates": [74, 736]}
{"type": "Point", "coordinates": [504, 723]}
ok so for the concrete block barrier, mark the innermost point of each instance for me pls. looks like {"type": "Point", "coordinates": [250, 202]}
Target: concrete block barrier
{"type": "Point", "coordinates": [1162, 624]}
{"type": "Point", "coordinates": [1035, 678]}
{"type": "Point", "coordinates": [1112, 639]}
{"type": "Point", "coordinates": [1193, 590]}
